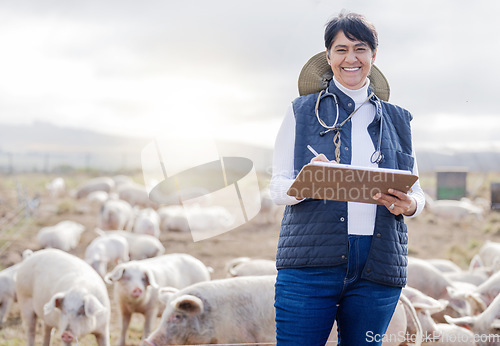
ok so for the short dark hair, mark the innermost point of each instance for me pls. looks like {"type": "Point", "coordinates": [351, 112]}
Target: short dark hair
{"type": "Point", "coordinates": [355, 27]}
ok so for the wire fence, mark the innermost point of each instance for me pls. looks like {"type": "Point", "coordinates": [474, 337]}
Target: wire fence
{"type": "Point", "coordinates": [27, 207]}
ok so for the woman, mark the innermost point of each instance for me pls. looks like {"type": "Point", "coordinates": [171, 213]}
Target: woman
{"type": "Point", "coordinates": [342, 261]}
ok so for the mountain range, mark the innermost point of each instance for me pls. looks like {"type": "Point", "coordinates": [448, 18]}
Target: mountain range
{"type": "Point", "coordinates": [43, 146]}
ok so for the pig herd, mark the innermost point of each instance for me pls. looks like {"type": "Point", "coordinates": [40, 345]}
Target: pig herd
{"type": "Point", "coordinates": [441, 305]}
{"type": "Point", "coordinates": [69, 294]}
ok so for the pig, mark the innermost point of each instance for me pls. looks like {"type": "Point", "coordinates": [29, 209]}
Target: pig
{"type": "Point", "coordinates": [63, 236]}
{"type": "Point", "coordinates": [98, 197]}
{"type": "Point", "coordinates": [244, 266]}
{"type": "Point", "coordinates": [106, 249]}
{"type": "Point", "coordinates": [140, 246]}
{"type": "Point", "coordinates": [136, 285]}
{"type": "Point", "coordinates": [424, 307]}
{"type": "Point", "coordinates": [135, 194]}
{"type": "Point", "coordinates": [56, 187]}
{"type": "Point", "coordinates": [7, 290]}
{"type": "Point", "coordinates": [479, 297]}
{"type": "Point", "coordinates": [444, 265]}
{"type": "Point", "coordinates": [115, 214]}
{"type": "Point", "coordinates": [451, 335]}
{"type": "Point", "coordinates": [66, 293]}
{"type": "Point", "coordinates": [484, 326]}
{"type": "Point", "coordinates": [173, 218]}
{"type": "Point", "coordinates": [489, 253]}
{"type": "Point", "coordinates": [224, 311]}
{"type": "Point", "coordinates": [429, 280]}
{"type": "Point", "coordinates": [96, 184]}
{"type": "Point", "coordinates": [147, 221]}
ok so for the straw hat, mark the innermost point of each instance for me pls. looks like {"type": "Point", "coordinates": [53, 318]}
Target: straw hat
{"type": "Point", "coordinates": [316, 73]}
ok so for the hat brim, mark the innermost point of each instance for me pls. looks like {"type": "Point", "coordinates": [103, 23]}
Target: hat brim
{"type": "Point", "coordinates": [316, 74]}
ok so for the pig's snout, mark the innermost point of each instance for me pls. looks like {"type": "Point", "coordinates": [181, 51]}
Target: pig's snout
{"type": "Point", "coordinates": [67, 337]}
{"type": "Point", "coordinates": [136, 292]}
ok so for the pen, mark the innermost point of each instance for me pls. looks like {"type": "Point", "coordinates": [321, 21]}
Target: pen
{"type": "Point", "coordinates": [312, 150]}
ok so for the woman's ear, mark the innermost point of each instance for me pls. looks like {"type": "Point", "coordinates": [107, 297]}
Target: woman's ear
{"type": "Point", "coordinates": [328, 57]}
{"type": "Point", "coordinates": [374, 55]}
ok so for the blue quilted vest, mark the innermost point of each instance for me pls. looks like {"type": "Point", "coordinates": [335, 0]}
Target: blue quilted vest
{"type": "Point", "coordinates": [314, 232]}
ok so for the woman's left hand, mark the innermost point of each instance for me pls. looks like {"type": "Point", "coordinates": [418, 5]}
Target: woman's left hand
{"type": "Point", "coordinates": [397, 202]}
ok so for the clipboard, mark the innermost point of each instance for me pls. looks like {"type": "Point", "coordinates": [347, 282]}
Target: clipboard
{"type": "Point", "coordinates": [340, 182]}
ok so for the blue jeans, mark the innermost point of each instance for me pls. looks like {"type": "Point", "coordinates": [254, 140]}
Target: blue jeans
{"type": "Point", "coordinates": [309, 300]}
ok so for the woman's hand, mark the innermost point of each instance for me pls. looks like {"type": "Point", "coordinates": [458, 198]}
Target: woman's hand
{"type": "Point", "coordinates": [320, 157]}
{"type": "Point", "coordinates": [397, 202]}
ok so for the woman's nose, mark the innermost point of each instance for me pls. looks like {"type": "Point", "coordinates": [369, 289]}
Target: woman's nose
{"type": "Point", "coordinates": [351, 57]}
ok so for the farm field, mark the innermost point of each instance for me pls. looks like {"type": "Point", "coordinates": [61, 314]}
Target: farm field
{"type": "Point", "coordinates": [429, 238]}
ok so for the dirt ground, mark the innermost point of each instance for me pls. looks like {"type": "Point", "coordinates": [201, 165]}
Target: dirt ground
{"type": "Point", "coordinates": [429, 238]}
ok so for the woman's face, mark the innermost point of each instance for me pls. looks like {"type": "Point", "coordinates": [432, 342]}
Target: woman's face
{"type": "Point", "coordinates": [350, 61]}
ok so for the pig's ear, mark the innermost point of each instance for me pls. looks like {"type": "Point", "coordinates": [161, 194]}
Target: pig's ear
{"type": "Point", "coordinates": [433, 306]}
{"type": "Point", "coordinates": [54, 303]}
{"type": "Point", "coordinates": [475, 262]}
{"type": "Point", "coordinates": [189, 304]}
{"type": "Point", "coordinates": [164, 293]}
{"type": "Point", "coordinates": [466, 321]}
{"type": "Point", "coordinates": [114, 275]}
{"type": "Point", "coordinates": [93, 306]}
{"type": "Point", "coordinates": [151, 278]}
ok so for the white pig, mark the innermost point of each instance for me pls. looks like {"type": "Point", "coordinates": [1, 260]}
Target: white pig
{"type": "Point", "coordinates": [104, 250]}
{"type": "Point", "coordinates": [140, 246]}
{"type": "Point", "coordinates": [225, 311]}
{"type": "Point", "coordinates": [115, 214]}
{"type": "Point", "coordinates": [95, 184]}
{"type": "Point", "coordinates": [63, 236]}
{"type": "Point", "coordinates": [429, 280]}
{"type": "Point", "coordinates": [7, 290]}
{"type": "Point", "coordinates": [147, 221]}
{"type": "Point", "coordinates": [136, 285]}
{"type": "Point", "coordinates": [66, 293]}
{"type": "Point", "coordinates": [485, 325]}
{"type": "Point", "coordinates": [244, 266]}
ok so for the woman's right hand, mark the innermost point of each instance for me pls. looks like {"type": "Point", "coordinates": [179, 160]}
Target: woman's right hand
{"type": "Point", "coordinates": [320, 157]}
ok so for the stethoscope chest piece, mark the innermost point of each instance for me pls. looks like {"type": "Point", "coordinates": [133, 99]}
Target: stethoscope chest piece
{"type": "Point", "coordinates": [377, 157]}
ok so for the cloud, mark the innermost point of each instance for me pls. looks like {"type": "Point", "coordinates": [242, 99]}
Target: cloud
{"type": "Point", "coordinates": [123, 66]}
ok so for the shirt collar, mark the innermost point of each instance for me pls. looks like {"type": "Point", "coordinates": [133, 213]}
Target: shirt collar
{"type": "Point", "coordinates": [358, 95]}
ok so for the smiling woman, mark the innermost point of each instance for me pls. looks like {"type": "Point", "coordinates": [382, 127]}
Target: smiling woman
{"type": "Point", "coordinates": [333, 256]}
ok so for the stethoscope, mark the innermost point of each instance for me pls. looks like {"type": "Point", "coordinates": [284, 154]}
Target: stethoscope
{"type": "Point", "coordinates": [377, 155]}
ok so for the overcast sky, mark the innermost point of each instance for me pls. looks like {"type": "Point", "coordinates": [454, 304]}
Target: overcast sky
{"type": "Point", "coordinates": [145, 67]}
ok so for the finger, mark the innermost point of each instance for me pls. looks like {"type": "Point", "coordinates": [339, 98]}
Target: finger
{"type": "Point", "coordinates": [406, 200]}
{"type": "Point", "coordinates": [320, 157]}
{"type": "Point", "coordinates": [399, 194]}
{"type": "Point", "coordinates": [385, 198]}
{"type": "Point", "coordinates": [393, 204]}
